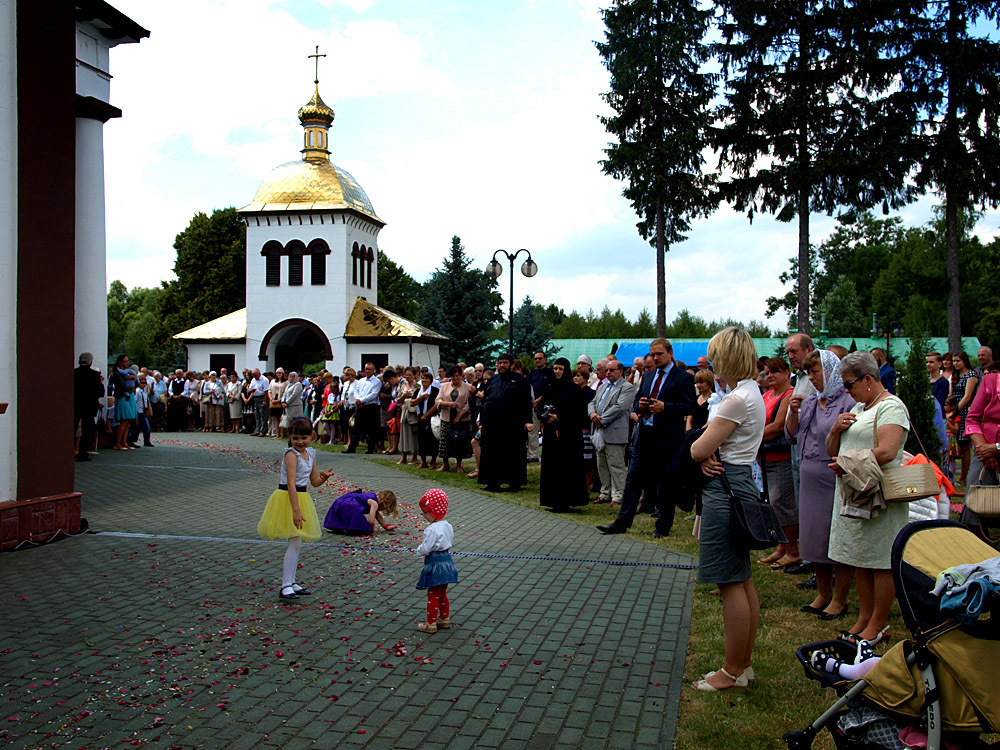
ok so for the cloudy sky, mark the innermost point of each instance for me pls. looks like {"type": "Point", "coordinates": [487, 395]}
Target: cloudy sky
{"type": "Point", "coordinates": [457, 117]}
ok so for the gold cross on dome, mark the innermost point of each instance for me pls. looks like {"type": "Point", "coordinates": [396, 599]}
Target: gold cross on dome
{"type": "Point", "coordinates": [317, 55]}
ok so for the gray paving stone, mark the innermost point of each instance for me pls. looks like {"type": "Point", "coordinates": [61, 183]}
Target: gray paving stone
{"type": "Point", "coordinates": [167, 621]}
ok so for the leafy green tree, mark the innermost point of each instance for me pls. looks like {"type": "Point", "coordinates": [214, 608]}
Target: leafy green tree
{"type": "Point", "coordinates": [911, 288]}
{"type": "Point", "coordinates": [914, 389]}
{"type": "Point", "coordinates": [660, 92]}
{"type": "Point", "coordinates": [463, 303]}
{"type": "Point", "coordinates": [811, 120]}
{"type": "Point", "coordinates": [688, 326]}
{"type": "Point", "coordinates": [397, 290]}
{"type": "Point", "coordinates": [210, 268]}
{"type": "Point", "coordinates": [858, 249]}
{"type": "Point", "coordinates": [842, 310]}
{"type": "Point", "coordinates": [135, 325]}
{"type": "Point", "coordinates": [531, 330]}
{"type": "Point", "coordinates": [951, 66]}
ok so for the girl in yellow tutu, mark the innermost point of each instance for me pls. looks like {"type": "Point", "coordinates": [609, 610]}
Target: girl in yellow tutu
{"type": "Point", "coordinates": [290, 513]}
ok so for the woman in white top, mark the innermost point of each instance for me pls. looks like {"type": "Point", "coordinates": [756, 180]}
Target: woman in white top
{"type": "Point", "coordinates": [735, 433]}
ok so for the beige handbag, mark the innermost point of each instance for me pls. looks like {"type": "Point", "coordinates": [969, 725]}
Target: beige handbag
{"type": "Point", "coordinates": [903, 484]}
{"type": "Point", "coordinates": [983, 500]}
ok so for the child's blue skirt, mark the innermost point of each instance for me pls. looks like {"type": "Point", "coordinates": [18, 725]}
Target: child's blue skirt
{"type": "Point", "coordinates": [439, 570]}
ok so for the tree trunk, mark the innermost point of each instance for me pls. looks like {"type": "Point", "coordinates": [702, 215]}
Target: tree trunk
{"type": "Point", "coordinates": [956, 23]}
{"type": "Point", "coordinates": [802, 199]}
{"type": "Point", "coordinates": [661, 273]}
{"type": "Point", "coordinates": [803, 211]}
{"type": "Point", "coordinates": [951, 266]}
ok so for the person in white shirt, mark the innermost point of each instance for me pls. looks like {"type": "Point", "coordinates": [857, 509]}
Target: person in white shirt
{"type": "Point", "coordinates": [366, 390]}
{"type": "Point", "coordinates": [439, 569]}
{"type": "Point", "coordinates": [736, 433]}
{"type": "Point", "coordinates": [259, 385]}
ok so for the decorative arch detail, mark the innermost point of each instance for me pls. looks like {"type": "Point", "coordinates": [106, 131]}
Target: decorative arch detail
{"type": "Point", "coordinates": [293, 323]}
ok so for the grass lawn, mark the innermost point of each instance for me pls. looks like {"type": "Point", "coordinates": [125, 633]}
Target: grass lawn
{"type": "Point", "coordinates": [782, 699]}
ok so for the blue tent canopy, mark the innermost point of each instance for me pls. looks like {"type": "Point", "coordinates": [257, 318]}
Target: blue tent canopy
{"type": "Point", "coordinates": [686, 351]}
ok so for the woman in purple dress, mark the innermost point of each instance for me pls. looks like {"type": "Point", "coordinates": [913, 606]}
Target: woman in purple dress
{"type": "Point", "coordinates": [356, 513]}
{"type": "Point", "coordinates": [809, 421]}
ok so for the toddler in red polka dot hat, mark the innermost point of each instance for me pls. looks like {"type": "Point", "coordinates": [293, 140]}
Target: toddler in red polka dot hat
{"type": "Point", "coordinates": [439, 569]}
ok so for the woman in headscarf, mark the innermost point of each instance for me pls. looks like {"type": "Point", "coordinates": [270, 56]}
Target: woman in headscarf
{"type": "Point", "coordinates": [563, 415]}
{"type": "Point", "coordinates": [809, 422]}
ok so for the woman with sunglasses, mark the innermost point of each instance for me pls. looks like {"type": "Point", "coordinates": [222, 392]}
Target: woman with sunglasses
{"type": "Point", "coordinates": [865, 544]}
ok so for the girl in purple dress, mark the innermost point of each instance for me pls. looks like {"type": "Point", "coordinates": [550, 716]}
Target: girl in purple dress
{"type": "Point", "coordinates": [356, 513]}
{"type": "Point", "coordinates": [809, 421]}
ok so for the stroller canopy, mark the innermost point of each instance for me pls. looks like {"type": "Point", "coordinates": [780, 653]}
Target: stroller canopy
{"type": "Point", "coordinates": [965, 657]}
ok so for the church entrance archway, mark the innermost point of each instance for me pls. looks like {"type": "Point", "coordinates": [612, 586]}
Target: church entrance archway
{"type": "Point", "coordinates": [295, 344]}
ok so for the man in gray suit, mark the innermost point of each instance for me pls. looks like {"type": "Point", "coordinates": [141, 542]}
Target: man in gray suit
{"type": "Point", "coordinates": [609, 412]}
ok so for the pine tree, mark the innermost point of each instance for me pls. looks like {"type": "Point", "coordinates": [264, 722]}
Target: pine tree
{"type": "Point", "coordinates": [914, 389]}
{"type": "Point", "coordinates": [811, 121]}
{"type": "Point", "coordinates": [655, 52]}
{"type": "Point", "coordinates": [462, 303]}
{"type": "Point", "coordinates": [531, 331]}
{"type": "Point", "coordinates": [953, 74]}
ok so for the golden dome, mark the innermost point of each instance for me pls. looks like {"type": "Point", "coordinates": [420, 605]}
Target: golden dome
{"type": "Point", "coordinates": [316, 110]}
{"type": "Point", "coordinates": [310, 185]}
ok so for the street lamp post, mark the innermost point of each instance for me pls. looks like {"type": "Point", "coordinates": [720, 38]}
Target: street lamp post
{"type": "Point", "coordinates": [529, 268]}
{"type": "Point", "coordinates": [894, 330]}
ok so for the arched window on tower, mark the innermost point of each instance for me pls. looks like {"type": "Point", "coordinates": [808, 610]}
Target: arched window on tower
{"type": "Point", "coordinates": [318, 250]}
{"type": "Point", "coordinates": [356, 257]}
{"type": "Point", "coordinates": [362, 255]}
{"type": "Point", "coordinates": [295, 250]}
{"type": "Point", "coordinates": [272, 263]}
{"type": "Point", "coordinates": [370, 257]}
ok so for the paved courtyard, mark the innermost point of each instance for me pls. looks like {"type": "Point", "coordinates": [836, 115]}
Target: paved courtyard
{"type": "Point", "coordinates": [162, 626]}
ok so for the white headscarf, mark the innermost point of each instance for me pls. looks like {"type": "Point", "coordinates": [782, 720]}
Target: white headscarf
{"type": "Point", "coordinates": [833, 383]}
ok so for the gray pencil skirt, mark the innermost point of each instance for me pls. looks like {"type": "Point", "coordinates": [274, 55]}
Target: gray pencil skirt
{"type": "Point", "coordinates": [719, 561]}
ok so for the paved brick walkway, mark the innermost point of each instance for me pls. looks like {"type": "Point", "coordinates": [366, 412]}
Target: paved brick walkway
{"type": "Point", "coordinates": [164, 628]}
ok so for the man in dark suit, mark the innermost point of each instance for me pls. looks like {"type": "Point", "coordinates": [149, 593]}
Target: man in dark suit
{"type": "Point", "coordinates": [87, 393]}
{"type": "Point", "coordinates": [664, 399]}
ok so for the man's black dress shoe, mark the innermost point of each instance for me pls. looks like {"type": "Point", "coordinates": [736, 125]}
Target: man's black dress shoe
{"type": "Point", "coordinates": [809, 583]}
{"type": "Point", "coordinates": [801, 568]}
{"type": "Point", "coordinates": [350, 450]}
{"type": "Point", "coordinates": [613, 528]}
{"type": "Point", "coordinates": [492, 488]}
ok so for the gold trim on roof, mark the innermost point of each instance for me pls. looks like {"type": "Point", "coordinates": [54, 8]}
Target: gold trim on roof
{"type": "Point", "coordinates": [370, 321]}
{"type": "Point", "coordinates": [229, 327]}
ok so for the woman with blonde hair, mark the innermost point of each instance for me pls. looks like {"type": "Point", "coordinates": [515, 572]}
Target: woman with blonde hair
{"type": "Point", "coordinates": [729, 446]}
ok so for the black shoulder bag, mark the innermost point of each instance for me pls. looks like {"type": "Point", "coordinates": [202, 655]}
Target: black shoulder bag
{"type": "Point", "coordinates": [752, 523]}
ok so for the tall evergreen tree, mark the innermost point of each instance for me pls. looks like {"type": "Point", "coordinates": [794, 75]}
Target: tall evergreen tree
{"type": "Point", "coordinates": [655, 52]}
{"type": "Point", "coordinates": [914, 389]}
{"type": "Point", "coordinates": [811, 121]}
{"type": "Point", "coordinates": [532, 331]}
{"type": "Point", "coordinates": [462, 303]}
{"type": "Point", "coordinates": [952, 68]}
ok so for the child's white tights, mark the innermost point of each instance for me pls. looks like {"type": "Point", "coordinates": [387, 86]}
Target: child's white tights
{"type": "Point", "coordinates": [291, 564]}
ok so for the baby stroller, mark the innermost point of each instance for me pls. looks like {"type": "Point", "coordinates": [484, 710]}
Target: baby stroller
{"type": "Point", "coordinates": [946, 677]}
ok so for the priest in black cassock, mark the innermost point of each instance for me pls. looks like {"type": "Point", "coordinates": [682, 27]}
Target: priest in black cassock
{"type": "Point", "coordinates": [505, 419]}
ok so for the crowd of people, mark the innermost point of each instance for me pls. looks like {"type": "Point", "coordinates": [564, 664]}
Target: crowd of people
{"type": "Point", "coordinates": [648, 436]}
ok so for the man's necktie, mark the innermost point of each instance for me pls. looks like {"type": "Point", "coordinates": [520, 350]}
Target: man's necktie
{"type": "Point", "coordinates": [656, 385]}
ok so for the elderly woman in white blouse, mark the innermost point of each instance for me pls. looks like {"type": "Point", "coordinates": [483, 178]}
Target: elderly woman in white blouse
{"type": "Point", "coordinates": [735, 433]}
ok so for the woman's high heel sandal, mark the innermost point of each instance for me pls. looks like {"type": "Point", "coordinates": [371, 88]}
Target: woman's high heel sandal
{"type": "Point", "coordinates": [740, 683]}
{"type": "Point", "coordinates": [748, 673]}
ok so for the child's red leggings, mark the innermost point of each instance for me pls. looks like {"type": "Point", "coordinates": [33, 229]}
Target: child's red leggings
{"type": "Point", "coordinates": [437, 603]}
